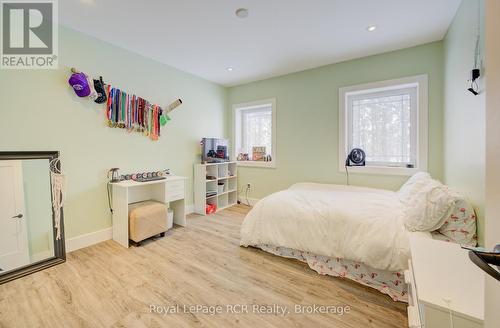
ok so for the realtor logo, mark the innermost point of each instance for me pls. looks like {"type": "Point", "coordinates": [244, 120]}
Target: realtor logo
{"type": "Point", "coordinates": [29, 34]}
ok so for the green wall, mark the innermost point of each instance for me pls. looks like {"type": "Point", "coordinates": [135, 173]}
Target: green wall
{"type": "Point", "coordinates": [464, 113]}
{"type": "Point", "coordinates": [40, 111]}
{"type": "Point", "coordinates": [307, 118]}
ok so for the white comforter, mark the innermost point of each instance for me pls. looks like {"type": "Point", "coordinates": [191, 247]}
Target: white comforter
{"type": "Point", "coordinates": [354, 223]}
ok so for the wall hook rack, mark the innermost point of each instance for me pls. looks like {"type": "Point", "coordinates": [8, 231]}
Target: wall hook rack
{"type": "Point", "coordinates": [123, 110]}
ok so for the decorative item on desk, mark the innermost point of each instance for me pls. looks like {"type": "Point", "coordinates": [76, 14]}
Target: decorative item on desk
{"type": "Point", "coordinates": [114, 175]}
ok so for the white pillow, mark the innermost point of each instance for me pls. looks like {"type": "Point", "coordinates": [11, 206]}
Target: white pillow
{"type": "Point", "coordinates": [427, 202]}
{"type": "Point", "coordinates": [413, 185]}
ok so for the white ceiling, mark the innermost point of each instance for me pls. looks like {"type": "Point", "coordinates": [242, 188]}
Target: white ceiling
{"type": "Point", "coordinates": [204, 37]}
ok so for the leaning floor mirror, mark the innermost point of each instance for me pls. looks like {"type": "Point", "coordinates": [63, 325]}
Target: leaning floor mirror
{"type": "Point", "coordinates": [31, 227]}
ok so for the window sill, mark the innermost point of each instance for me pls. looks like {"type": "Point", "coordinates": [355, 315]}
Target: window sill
{"type": "Point", "coordinates": [271, 165]}
{"type": "Point", "coordinates": [381, 170]}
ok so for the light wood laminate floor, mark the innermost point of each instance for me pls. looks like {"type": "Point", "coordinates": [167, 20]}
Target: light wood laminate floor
{"type": "Point", "coordinates": [107, 285]}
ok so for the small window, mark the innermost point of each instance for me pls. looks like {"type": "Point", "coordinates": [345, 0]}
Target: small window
{"type": "Point", "coordinates": [255, 133]}
{"type": "Point", "coordinates": [388, 120]}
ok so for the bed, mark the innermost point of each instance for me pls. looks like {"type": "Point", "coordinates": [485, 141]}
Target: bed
{"type": "Point", "coordinates": [358, 233]}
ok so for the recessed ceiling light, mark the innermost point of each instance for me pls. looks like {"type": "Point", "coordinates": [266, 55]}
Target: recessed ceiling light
{"type": "Point", "coordinates": [229, 69]}
{"type": "Point", "coordinates": [371, 28]}
{"type": "Point", "coordinates": [242, 13]}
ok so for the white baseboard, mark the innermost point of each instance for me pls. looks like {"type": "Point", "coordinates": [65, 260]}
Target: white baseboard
{"type": "Point", "coordinates": [88, 239]}
{"type": "Point", "coordinates": [96, 237]}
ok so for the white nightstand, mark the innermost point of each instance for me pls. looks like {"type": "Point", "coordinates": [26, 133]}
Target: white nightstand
{"type": "Point", "coordinates": [442, 279]}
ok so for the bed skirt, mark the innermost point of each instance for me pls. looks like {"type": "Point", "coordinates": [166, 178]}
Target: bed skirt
{"type": "Point", "coordinates": [387, 282]}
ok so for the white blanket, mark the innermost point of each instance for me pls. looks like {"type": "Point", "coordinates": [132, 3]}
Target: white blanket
{"type": "Point", "coordinates": [354, 223]}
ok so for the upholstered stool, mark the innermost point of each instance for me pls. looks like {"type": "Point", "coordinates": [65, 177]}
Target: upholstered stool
{"type": "Point", "coordinates": [146, 219]}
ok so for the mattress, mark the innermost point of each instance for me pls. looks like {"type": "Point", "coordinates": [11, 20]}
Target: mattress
{"type": "Point", "coordinates": [344, 231]}
{"type": "Point", "coordinates": [363, 225]}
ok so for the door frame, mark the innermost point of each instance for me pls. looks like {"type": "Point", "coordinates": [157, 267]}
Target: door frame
{"type": "Point", "coordinates": [59, 245]}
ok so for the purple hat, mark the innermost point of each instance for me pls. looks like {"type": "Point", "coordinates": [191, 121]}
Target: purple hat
{"type": "Point", "coordinates": [80, 84]}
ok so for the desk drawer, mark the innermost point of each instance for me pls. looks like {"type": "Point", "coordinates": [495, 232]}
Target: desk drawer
{"type": "Point", "coordinates": [175, 190]}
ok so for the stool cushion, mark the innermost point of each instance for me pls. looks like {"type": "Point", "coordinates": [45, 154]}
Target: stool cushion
{"type": "Point", "coordinates": [146, 219]}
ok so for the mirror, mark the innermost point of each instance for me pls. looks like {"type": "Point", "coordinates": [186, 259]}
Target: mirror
{"type": "Point", "coordinates": [28, 240]}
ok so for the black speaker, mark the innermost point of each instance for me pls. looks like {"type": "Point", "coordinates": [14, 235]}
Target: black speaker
{"type": "Point", "coordinates": [356, 158]}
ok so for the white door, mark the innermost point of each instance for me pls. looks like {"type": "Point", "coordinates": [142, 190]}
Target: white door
{"type": "Point", "coordinates": [14, 251]}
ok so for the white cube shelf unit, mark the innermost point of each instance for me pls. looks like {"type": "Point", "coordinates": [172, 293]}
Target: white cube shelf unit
{"type": "Point", "coordinates": [215, 183]}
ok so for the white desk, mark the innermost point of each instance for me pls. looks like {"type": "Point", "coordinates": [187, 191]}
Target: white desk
{"type": "Point", "coordinates": [171, 191]}
{"type": "Point", "coordinates": [441, 271]}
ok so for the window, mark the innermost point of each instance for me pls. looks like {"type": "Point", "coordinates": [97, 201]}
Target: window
{"type": "Point", "coordinates": [255, 133]}
{"type": "Point", "coordinates": [388, 120]}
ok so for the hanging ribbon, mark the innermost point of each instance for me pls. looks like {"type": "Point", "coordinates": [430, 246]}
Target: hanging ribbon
{"type": "Point", "coordinates": [134, 114]}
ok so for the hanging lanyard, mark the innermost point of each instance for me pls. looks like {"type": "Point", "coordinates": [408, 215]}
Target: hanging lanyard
{"type": "Point", "coordinates": [160, 112]}
{"type": "Point", "coordinates": [117, 107]}
{"type": "Point", "coordinates": [133, 113]}
{"type": "Point", "coordinates": [123, 102]}
{"type": "Point", "coordinates": [132, 102]}
{"type": "Point", "coordinates": [108, 104]}
{"type": "Point", "coordinates": [127, 112]}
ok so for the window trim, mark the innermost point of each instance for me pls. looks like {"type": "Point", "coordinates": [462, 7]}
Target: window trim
{"type": "Point", "coordinates": [422, 124]}
{"type": "Point", "coordinates": [253, 105]}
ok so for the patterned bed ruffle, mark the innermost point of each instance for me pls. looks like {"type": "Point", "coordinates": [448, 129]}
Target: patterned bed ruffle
{"type": "Point", "coordinates": [387, 282]}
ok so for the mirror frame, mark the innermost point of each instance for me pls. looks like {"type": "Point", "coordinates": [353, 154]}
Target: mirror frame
{"type": "Point", "coordinates": [59, 245]}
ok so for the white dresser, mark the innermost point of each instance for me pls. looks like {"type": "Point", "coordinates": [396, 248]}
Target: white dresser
{"type": "Point", "coordinates": [442, 280]}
